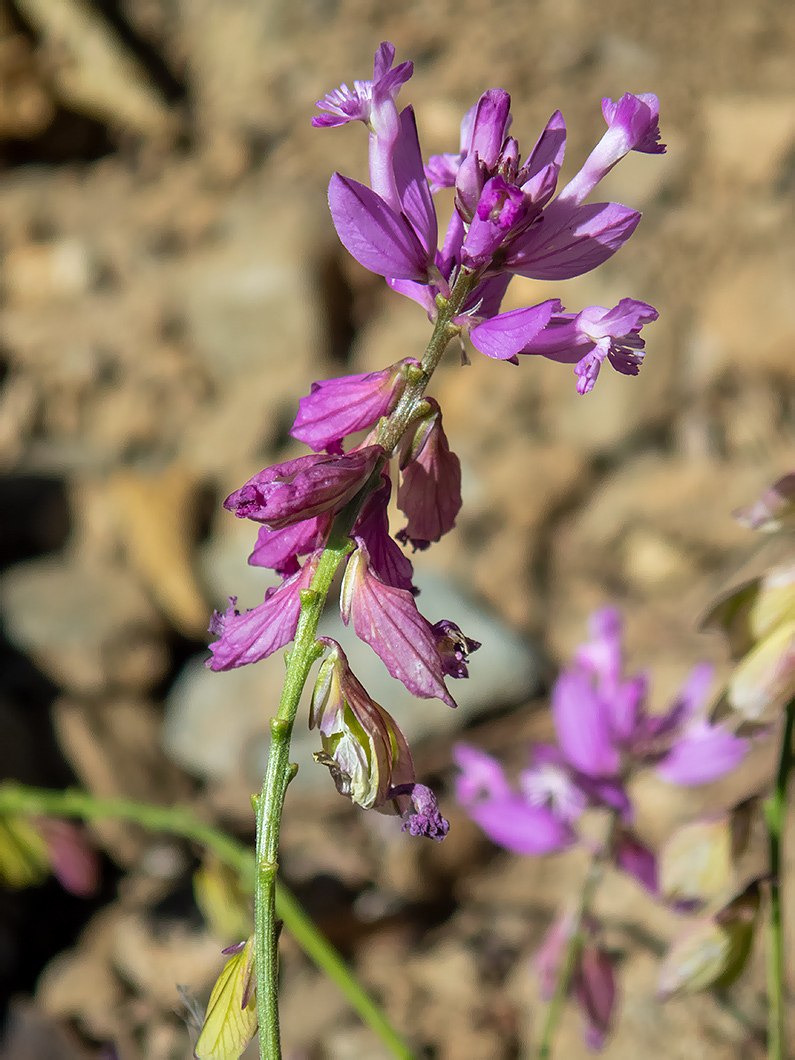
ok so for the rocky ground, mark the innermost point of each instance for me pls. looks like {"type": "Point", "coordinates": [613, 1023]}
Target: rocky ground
{"type": "Point", "coordinates": [171, 285]}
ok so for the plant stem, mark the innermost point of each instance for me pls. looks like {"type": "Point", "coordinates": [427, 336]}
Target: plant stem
{"type": "Point", "coordinates": [304, 653]}
{"type": "Point", "coordinates": [269, 805]}
{"type": "Point", "coordinates": [554, 1009]}
{"type": "Point", "coordinates": [775, 816]}
{"type": "Point", "coordinates": [17, 799]}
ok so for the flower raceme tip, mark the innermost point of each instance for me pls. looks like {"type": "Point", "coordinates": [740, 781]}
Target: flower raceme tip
{"type": "Point", "coordinates": [507, 219]}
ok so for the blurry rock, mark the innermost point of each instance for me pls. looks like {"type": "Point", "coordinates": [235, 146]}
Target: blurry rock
{"type": "Point", "coordinates": [28, 1035]}
{"type": "Point", "coordinates": [748, 136]}
{"type": "Point", "coordinates": [248, 301]}
{"type": "Point", "coordinates": [18, 402]}
{"type": "Point", "coordinates": [653, 562]}
{"type": "Point", "coordinates": [156, 522]}
{"type": "Point", "coordinates": [154, 956]}
{"type": "Point", "coordinates": [26, 107]}
{"type": "Point", "coordinates": [78, 983]}
{"type": "Point", "coordinates": [35, 273]}
{"type": "Point", "coordinates": [309, 1005]}
{"type": "Point", "coordinates": [746, 317]}
{"type": "Point", "coordinates": [93, 70]}
{"type": "Point", "coordinates": [90, 628]}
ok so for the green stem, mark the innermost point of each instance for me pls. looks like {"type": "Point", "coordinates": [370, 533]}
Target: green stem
{"type": "Point", "coordinates": [269, 805]}
{"type": "Point", "coordinates": [775, 816]}
{"type": "Point", "coordinates": [554, 1009]}
{"type": "Point", "coordinates": [18, 800]}
{"type": "Point", "coordinates": [304, 653]}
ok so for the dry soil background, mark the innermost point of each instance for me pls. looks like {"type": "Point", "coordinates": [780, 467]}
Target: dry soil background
{"type": "Point", "coordinates": [171, 285]}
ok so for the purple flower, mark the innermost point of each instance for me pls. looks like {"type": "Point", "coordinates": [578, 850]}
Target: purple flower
{"type": "Point", "coordinates": [301, 489]}
{"type": "Point", "coordinates": [429, 493]}
{"type": "Point", "coordinates": [368, 101]}
{"type": "Point", "coordinates": [388, 620]}
{"type": "Point", "coordinates": [595, 990]}
{"type": "Point", "coordinates": [503, 336]}
{"type": "Point", "coordinates": [260, 632]}
{"type": "Point", "coordinates": [593, 979]}
{"type": "Point", "coordinates": [506, 221]}
{"type": "Point", "coordinates": [380, 239]}
{"type": "Point", "coordinates": [387, 559]}
{"type": "Point", "coordinates": [603, 727]}
{"type": "Point", "coordinates": [510, 820]}
{"type": "Point", "coordinates": [632, 125]}
{"type": "Point", "coordinates": [634, 858]}
{"type": "Point", "coordinates": [336, 408]}
{"type": "Point", "coordinates": [588, 337]}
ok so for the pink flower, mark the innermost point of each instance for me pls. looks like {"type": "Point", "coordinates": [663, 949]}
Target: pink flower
{"type": "Point", "coordinates": [388, 620]}
{"type": "Point", "coordinates": [301, 489]}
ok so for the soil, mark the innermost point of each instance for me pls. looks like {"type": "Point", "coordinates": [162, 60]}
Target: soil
{"type": "Point", "coordinates": [171, 285]}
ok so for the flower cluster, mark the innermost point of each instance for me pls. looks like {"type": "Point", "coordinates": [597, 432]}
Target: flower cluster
{"type": "Point", "coordinates": [605, 734]}
{"type": "Point", "coordinates": [507, 219]}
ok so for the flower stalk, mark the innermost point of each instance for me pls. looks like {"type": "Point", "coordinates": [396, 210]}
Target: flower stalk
{"type": "Point", "coordinates": [304, 653]}
{"type": "Point", "coordinates": [571, 957]}
{"type": "Point", "coordinates": [775, 817]}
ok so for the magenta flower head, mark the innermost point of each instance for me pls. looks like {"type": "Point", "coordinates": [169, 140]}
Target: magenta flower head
{"type": "Point", "coordinates": [304, 488]}
{"type": "Point", "coordinates": [603, 727]}
{"type": "Point", "coordinates": [429, 493]}
{"type": "Point", "coordinates": [336, 408]}
{"type": "Point", "coordinates": [363, 746]}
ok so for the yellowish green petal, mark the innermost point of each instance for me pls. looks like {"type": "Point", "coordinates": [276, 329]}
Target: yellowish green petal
{"type": "Point", "coordinates": [230, 1024]}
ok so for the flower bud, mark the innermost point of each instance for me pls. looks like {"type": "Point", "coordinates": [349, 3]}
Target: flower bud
{"type": "Point", "coordinates": [713, 951]}
{"type": "Point", "coordinates": [697, 862]}
{"type": "Point", "coordinates": [363, 746]}
{"type": "Point", "coordinates": [429, 493]}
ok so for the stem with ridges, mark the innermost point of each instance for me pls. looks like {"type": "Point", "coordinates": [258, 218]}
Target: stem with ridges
{"type": "Point", "coordinates": [775, 816]}
{"type": "Point", "coordinates": [304, 653]}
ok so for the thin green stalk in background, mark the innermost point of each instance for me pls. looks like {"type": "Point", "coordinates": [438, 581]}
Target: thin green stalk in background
{"type": "Point", "coordinates": [776, 816]}
{"type": "Point", "coordinates": [568, 967]}
{"type": "Point", "coordinates": [19, 800]}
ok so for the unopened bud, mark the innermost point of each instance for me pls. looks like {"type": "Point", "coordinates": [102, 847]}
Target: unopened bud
{"type": "Point", "coordinates": [712, 951]}
{"type": "Point", "coordinates": [363, 747]}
